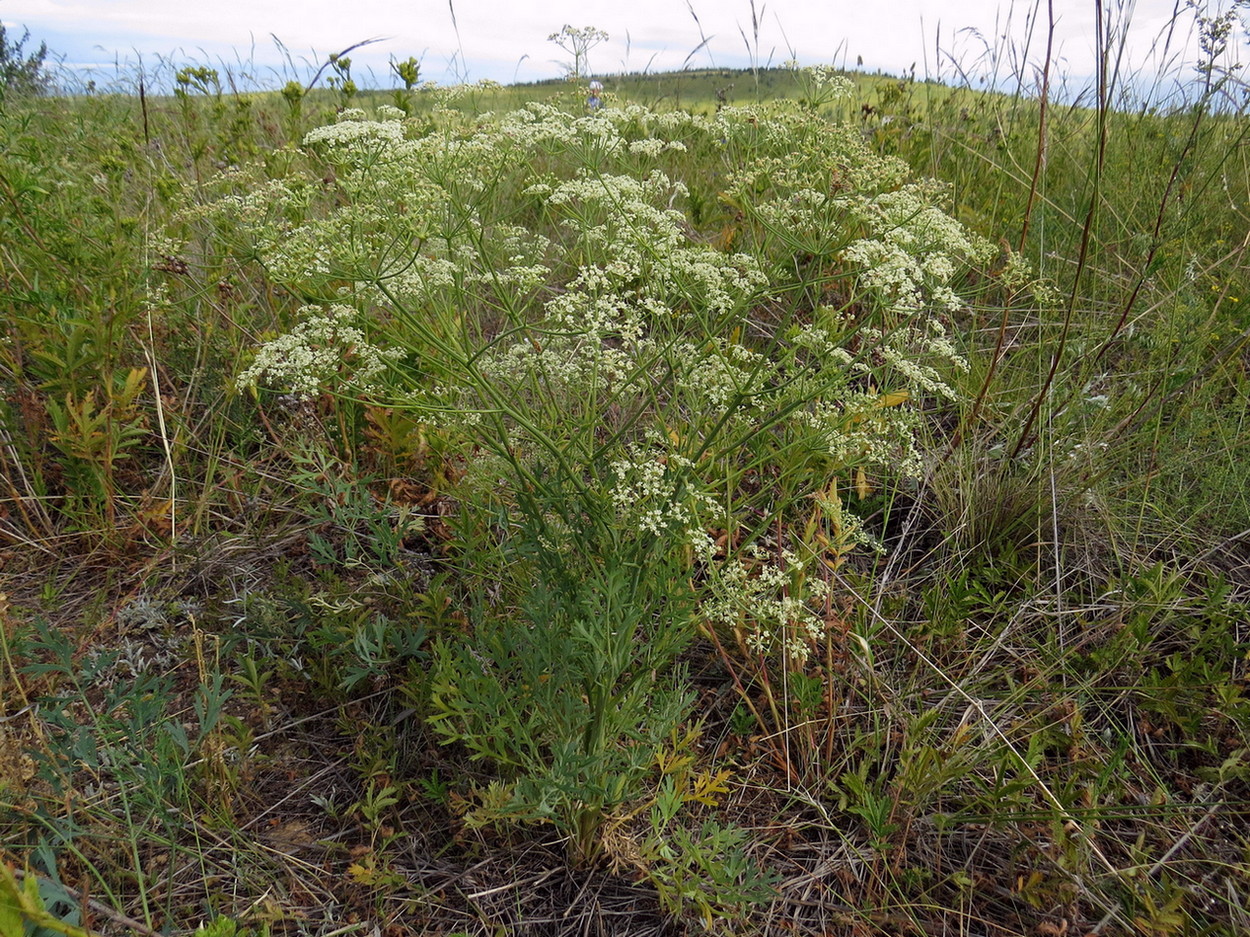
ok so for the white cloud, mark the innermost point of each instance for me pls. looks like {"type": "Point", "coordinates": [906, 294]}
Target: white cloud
{"type": "Point", "coordinates": [503, 39]}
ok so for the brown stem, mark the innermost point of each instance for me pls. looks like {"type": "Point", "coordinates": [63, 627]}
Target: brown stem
{"type": "Point", "coordinates": [1104, 105]}
{"type": "Point", "coordinates": [1038, 163]}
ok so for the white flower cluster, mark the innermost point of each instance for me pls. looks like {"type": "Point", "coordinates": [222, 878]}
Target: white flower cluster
{"type": "Point", "coordinates": [816, 186]}
{"type": "Point", "coordinates": [258, 214]}
{"type": "Point", "coordinates": [448, 95]}
{"type": "Point", "coordinates": [913, 249]}
{"type": "Point", "coordinates": [355, 135]}
{"type": "Point", "coordinates": [618, 212]}
{"type": "Point", "coordinates": [608, 131]}
{"type": "Point", "coordinates": [861, 429]}
{"type": "Point", "coordinates": [906, 350]}
{"type": "Point", "coordinates": [324, 350]}
{"type": "Point", "coordinates": [654, 147]}
{"type": "Point", "coordinates": [829, 82]}
{"type": "Point", "coordinates": [631, 238]}
{"type": "Point", "coordinates": [420, 280]}
{"type": "Point", "coordinates": [721, 374]}
{"type": "Point", "coordinates": [1018, 274]}
{"type": "Point", "coordinates": [771, 602]}
{"type": "Point", "coordinates": [577, 277]}
{"type": "Point", "coordinates": [583, 367]}
{"type": "Point", "coordinates": [388, 112]}
{"type": "Point", "coordinates": [518, 260]}
{"type": "Point", "coordinates": [816, 338]}
{"type": "Point", "coordinates": [652, 492]}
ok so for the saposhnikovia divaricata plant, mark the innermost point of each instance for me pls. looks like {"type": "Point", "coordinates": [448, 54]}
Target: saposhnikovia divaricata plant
{"type": "Point", "coordinates": [644, 405]}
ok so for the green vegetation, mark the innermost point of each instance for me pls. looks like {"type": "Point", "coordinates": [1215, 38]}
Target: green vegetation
{"type": "Point", "coordinates": [819, 506]}
{"type": "Point", "coordinates": [21, 72]}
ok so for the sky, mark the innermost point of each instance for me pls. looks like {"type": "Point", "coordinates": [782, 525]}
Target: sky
{"type": "Point", "coordinates": [110, 40]}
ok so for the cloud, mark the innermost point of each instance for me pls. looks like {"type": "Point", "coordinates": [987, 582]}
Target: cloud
{"type": "Point", "coordinates": [500, 40]}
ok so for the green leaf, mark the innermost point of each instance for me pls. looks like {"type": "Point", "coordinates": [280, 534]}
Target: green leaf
{"type": "Point", "coordinates": [10, 904]}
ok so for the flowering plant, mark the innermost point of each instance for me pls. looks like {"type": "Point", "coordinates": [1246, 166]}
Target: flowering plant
{"type": "Point", "coordinates": [650, 380]}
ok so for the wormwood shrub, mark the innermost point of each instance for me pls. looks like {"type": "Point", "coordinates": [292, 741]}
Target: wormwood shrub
{"type": "Point", "coordinates": [657, 393]}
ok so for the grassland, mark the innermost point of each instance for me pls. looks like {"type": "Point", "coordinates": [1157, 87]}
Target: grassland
{"type": "Point", "coordinates": [932, 618]}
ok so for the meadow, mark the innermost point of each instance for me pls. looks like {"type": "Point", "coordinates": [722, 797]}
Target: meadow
{"type": "Point", "coordinates": [779, 501]}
